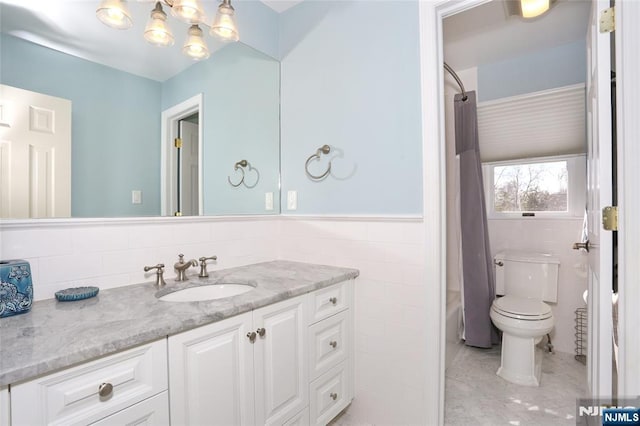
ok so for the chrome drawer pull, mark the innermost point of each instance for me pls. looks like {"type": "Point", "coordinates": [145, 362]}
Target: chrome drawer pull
{"type": "Point", "coordinates": [333, 344]}
{"type": "Point", "coordinates": [334, 396]}
{"type": "Point", "coordinates": [261, 332]}
{"type": "Point", "coordinates": [334, 300]}
{"type": "Point", "coordinates": [105, 390]}
{"type": "Point", "coordinates": [252, 336]}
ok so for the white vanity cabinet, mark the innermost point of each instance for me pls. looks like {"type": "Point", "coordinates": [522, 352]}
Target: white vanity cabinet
{"type": "Point", "coordinates": [94, 390]}
{"type": "Point", "coordinates": [246, 370]}
{"type": "Point", "coordinates": [260, 367]}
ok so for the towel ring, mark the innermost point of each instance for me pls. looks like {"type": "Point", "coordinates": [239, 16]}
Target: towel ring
{"type": "Point", "coordinates": [324, 149]}
{"type": "Point", "coordinates": [242, 165]}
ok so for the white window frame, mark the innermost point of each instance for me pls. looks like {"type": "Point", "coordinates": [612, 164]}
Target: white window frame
{"type": "Point", "coordinates": [576, 187]}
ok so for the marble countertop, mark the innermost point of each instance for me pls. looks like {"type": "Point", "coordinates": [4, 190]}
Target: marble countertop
{"type": "Point", "coordinates": [55, 335]}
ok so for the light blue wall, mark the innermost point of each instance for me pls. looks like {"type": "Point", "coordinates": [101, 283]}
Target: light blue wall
{"type": "Point", "coordinates": [115, 126]}
{"type": "Point", "coordinates": [240, 87]}
{"type": "Point", "coordinates": [351, 79]}
{"type": "Point", "coordinates": [546, 69]}
{"type": "Point", "coordinates": [258, 26]}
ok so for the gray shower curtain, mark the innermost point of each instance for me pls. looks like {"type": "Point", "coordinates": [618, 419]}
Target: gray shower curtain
{"type": "Point", "coordinates": [477, 264]}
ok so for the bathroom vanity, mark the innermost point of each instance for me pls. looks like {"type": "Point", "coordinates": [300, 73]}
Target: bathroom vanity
{"type": "Point", "coordinates": [281, 353]}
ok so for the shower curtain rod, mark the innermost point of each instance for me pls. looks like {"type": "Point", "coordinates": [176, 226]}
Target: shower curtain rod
{"type": "Point", "coordinates": [455, 76]}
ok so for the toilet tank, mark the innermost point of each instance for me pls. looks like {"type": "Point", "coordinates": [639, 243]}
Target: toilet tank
{"type": "Point", "coordinates": [526, 274]}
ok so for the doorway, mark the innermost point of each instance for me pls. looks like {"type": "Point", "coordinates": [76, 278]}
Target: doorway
{"type": "Point", "coordinates": [182, 144]}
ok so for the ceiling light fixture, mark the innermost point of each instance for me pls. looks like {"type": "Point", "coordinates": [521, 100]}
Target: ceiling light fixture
{"type": "Point", "coordinates": [115, 14]}
{"type": "Point", "coordinates": [533, 8]}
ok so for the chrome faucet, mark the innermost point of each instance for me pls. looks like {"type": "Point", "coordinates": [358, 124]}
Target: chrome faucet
{"type": "Point", "coordinates": [203, 265]}
{"type": "Point", "coordinates": [159, 271]}
{"type": "Point", "coordinates": [181, 267]}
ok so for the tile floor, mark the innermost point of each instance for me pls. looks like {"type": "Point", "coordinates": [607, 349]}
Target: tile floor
{"type": "Point", "coordinates": [475, 395]}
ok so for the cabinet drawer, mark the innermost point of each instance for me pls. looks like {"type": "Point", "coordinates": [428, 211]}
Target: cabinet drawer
{"type": "Point", "coordinates": [71, 396]}
{"type": "Point", "coordinates": [328, 343]}
{"type": "Point", "coordinates": [328, 301]}
{"type": "Point", "coordinates": [151, 412]}
{"type": "Point", "coordinates": [329, 395]}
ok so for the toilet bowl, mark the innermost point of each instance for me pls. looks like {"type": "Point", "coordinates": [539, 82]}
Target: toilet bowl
{"type": "Point", "coordinates": [525, 281]}
{"type": "Point", "coordinates": [523, 323]}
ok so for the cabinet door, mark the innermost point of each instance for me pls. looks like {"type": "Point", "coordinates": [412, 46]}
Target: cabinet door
{"type": "Point", "coordinates": [211, 374]}
{"type": "Point", "coordinates": [150, 412]}
{"type": "Point", "coordinates": [281, 377]}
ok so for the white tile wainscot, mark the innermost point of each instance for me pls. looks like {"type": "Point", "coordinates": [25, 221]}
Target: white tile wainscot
{"type": "Point", "coordinates": [389, 316]}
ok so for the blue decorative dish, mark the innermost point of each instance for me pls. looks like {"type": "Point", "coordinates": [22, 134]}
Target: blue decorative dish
{"type": "Point", "coordinates": [76, 293]}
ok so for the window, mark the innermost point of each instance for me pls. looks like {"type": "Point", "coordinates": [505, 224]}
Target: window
{"type": "Point", "coordinates": [536, 187]}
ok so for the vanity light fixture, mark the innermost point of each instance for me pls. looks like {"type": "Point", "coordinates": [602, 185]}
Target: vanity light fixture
{"type": "Point", "coordinates": [195, 47]}
{"type": "Point", "coordinates": [533, 8]}
{"type": "Point", "coordinates": [115, 14]}
{"type": "Point", "coordinates": [157, 31]}
{"type": "Point", "coordinates": [224, 24]}
{"type": "Point", "coordinates": [189, 11]}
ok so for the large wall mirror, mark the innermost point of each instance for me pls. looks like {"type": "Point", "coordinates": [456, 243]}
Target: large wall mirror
{"type": "Point", "coordinates": [125, 112]}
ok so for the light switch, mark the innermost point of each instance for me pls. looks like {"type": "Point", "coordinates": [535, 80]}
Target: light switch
{"type": "Point", "coordinates": [268, 200]}
{"type": "Point", "coordinates": [136, 196]}
{"type": "Point", "coordinates": [292, 200]}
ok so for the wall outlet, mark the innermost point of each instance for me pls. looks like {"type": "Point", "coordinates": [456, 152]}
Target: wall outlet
{"type": "Point", "coordinates": [292, 200]}
{"type": "Point", "coordinates": [268, 200]}
{"type": "Point", "coordinates": [136, 196]}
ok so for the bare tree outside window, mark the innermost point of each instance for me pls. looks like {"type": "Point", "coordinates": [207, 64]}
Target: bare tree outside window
{"type": "Point", "coordinates": [536, 187]}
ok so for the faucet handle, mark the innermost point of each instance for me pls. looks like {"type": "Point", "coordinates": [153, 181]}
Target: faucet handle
{"type": "Point", "coordinates": [159, 271]}
{"type": "Point", "coordinates": [203, 265]}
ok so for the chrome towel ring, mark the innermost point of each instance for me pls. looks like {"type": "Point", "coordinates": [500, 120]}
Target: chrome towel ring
{"type": "Point", "coordinates": [324, 149]}
{"type": "Point", "coordinates": [243, 165]}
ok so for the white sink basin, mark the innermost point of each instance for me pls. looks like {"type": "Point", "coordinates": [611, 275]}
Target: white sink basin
{"type": "Point", "coordinates": [206, 292]}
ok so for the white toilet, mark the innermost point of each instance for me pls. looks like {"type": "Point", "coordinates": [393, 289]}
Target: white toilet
{"type": "Point", "coordinates": [526, 281]}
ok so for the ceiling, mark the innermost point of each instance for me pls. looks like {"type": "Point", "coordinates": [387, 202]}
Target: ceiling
{"type": "Point", "coordinates": [71, 26]}
{"type": "Point", "coordinates": [480, 35]}
{"type": "Point", "coordinates": [486, 34]}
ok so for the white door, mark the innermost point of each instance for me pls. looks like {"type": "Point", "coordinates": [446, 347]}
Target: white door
{"type": "Point", "coordinates": [599, 195]}
{"type": "Point", "coordinates": [281, 376]}
{"type": "Point", "coordinates": [211, 374]}
{"type": "Point", "coordinates": [189, 170]}
{"type": "Point", "coordinates": [35, 155]}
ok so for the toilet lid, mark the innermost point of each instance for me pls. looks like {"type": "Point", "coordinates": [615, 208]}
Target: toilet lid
{"type": "Point", "coordinates": [522, 308]}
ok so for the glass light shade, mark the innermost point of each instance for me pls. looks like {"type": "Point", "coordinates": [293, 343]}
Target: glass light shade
{"type": "Point", "coordinates": [189, 11]}
{"type": "Point", "coordinates": [115, 14]}
{"type": "Point", "coordinates": [533, 8]}
{"type": "Point", "coordinates": [157, 32]}
{"type": "Point", "coordinates": [224, 24]}
{"type": "Point", "coordinates": [195, 46]}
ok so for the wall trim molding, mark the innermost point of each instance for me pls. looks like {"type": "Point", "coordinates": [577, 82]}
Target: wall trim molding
{"type": "Point", "coordinates": [355, 218]}
{"type": "Point", "coordinates": [118, 221]}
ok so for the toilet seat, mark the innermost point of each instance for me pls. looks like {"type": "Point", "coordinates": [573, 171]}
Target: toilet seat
{"type": "Point", "coordinates": [521, 308]}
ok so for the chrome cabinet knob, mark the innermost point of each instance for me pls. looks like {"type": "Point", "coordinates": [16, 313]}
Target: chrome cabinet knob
{"type": "Point", "coordinates": [261, 332]}
{"type": "Point", "coordinates": [105, 390]}
{"type": "Point", "coordinates": [333, 396]}
{"type": "Point", "coordinates": [252, 336]}
{"type": "Point", "coordinates": [334, 300]}
{"type": "Point", "coordinates": [333, 344]}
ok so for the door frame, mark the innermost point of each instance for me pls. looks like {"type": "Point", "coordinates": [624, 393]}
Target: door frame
{"type": "Point", "coordinates": [628, 136]}
{"type": "Point", "coordinates": [170, 119]}
{"type": "Point", "coordinates": [431, 16]}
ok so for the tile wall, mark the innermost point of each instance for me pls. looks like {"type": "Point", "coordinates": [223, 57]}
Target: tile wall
{"type": "Point", "coordinates": [390, 339]}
